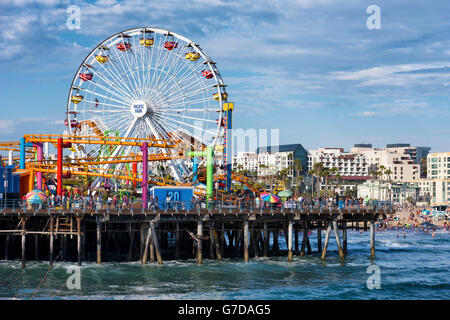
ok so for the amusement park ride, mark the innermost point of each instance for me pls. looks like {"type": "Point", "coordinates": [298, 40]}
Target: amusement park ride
{"type": "Point", "coordinates": [143, 101]}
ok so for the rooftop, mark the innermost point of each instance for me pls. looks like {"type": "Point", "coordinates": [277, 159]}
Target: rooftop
{"type": "Point", "coordinates": [280, 148]}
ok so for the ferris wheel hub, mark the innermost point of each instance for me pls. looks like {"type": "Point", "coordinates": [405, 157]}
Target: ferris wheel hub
{"type": "Point", "coordinates": [139, 108]}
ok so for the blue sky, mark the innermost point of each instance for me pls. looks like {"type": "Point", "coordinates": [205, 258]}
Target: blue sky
{"type": "Point", "coordinates": [310, 68]}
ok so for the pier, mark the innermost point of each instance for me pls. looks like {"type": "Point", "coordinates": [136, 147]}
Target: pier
{"type": "Point", "coordinates": [132, 234]}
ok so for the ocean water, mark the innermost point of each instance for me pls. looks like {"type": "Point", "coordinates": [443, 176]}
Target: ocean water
{"type": "Point", "coordinates": [413, 267]}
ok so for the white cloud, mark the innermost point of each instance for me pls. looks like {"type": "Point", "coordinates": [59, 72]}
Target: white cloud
{"type": "Point", "coordinates": [365, 114]}
{"type": "Point", "coordinates": [29, 2]}
{"type": "Point", "coordinates": [379, 72]}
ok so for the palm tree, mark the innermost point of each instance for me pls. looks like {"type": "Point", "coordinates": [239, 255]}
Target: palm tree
{"type": "Point", "coordinates": [317, 171]}
{"type": "Point", "coordinates": [337, 176]}
{"type": "Point", "coordinates": [297, 167]}
{"type": "Point", "coordinates": [263, 168]}
{"type": "Point", "coordinates": [283, 174]}
{"type": "Point", "coordinates": [388, 173]}
{"type": "Point", "coordinates": [380, 171]}
{"type": "Point", "coordinates": [325, 174]}
{"type": "Point", "coordinates": [333, 172]}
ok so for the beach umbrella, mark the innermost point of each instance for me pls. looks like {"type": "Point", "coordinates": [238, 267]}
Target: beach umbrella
{"type": "Point", "coordinates": [269, 197]}
{"type": "Point", "coordinates": [35, 197]}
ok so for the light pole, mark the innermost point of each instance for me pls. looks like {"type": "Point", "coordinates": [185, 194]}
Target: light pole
{"type": "Point", "coordinates": [5, 185]}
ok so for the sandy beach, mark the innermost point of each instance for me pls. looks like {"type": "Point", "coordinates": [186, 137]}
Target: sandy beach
{"type": "Point", "coordinates": [413, 217]}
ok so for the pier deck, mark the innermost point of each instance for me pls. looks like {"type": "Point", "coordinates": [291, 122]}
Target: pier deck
{"type": "Point", "coordinates": [127, 234]}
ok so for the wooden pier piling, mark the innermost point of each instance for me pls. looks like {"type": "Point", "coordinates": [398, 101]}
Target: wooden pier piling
{"type": "Point", "coordinates": [304, 240]}
{"type": "Point", "coordinates": [338, 240]}
{"type": "Point", "coordinates": [23, 249]}
{"type": "Point", "coordinates": [99, 240]}
{"type": "Point", "coordinates": [156, 243]}
{"type": "Point", "coordinates": [266, 241]}
{"type": "Point", "coordinates": [199, 241]}
{"type": "Point", "coordinates": [246, 238]}
{"type": "Point", "coordinates": [372, 239]}
{"type": "Point", "coordinates": [147, 245]}
{"type": "Point", "coordinates": [275, 246]}
{"type": "Point", "coordinates": [327, 238]}
{"type": "Point", "coordinates": [6, 247]}
{"type": "Point", "coordinates": [79, 240]}
{"type": "Point", "coordinates": [290, 227]}
{"type": "Point", "coordinates": [177, 241]}
{"type": "Point", "coordinates": [36, 247]}
{"type": "Point", "coordinates": [211, 243]}
{"type": "Point", "coordinates": [344, 237]}
{"type": "Point", "coordinates": [50, 258]}
{"type": "Point", "coordinates": [217, 244]}
{"type": "Point", "coordinates": [319, 239]}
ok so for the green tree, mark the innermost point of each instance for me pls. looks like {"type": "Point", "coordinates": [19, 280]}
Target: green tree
{"type": "Point", "coordinates": [317, 172]}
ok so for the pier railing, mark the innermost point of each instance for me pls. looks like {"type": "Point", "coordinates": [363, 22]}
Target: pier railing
{"type": "Point", "coordinates": [90, 204]}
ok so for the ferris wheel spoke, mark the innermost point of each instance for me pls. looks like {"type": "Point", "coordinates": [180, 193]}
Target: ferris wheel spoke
{"type": "Point", "coordinates": [196, 110]}
{"type": "Point", "coordinates": [147, 76]}
{"type": "Point", "coordinates": [142, 53]}
{"type": "Point", "coordinates": [182, 85]}
{"type": "Point", "coordinates": [119, 124]}
{"type": "Point", "coordinates": [176, 128]}
{"type": "Point", "coordinates": [134, 61]}
{"type": "Point", "coordinates": [189, 72]}
{"type": "Point", "coordinates": [163, 67]}
{"type": "Point", "coordinates": [186, 117]}
{"type": "Point", "coordinates": [191, 102]}
{"type": "Point", "coordinates": [115, 73]}
{"type": "Point", "coordinates": [167, 118]}
{"type": "Point", "coordinates": [172, 66]}
{"type": "Point", "coordinates": [113, 84]}
{"type": "Point", "coordinates": [173, 167]}
{"type": "Point", "coordinates": [185, 94]}
{"type": "Point", "coordinates": [119, 148]}
{"type": "Point", "coordinates": [125, 72]}
{"type": "Point", "coordinates": [125, 102]}
{"type": "Point", "coordinates": [101, 95]}
{"type": "Point", "coordinates": [158, 62]}
{"type": "Point", "coordinates": [127, 58]}
{"type": "Point", "coordinates": [107, 104]}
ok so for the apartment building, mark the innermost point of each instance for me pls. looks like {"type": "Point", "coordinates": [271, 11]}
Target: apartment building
{"type": "Point", "coordinates": [348, 164]}
{"type": "Point", "coordinates": [270, 160]}
{"type": "Point", "coordinates": [402, 159]}
{"type": "Point", "coordinates": [352, 167]}
{"type": "Point", "coordinates": [438, 165]}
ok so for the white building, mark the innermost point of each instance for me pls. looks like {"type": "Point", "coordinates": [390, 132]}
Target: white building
{"type": "Point", "coordinates": [270, 160]}
{"type": "Point", "coordinates": [352, 167]}
{"type": "Point", "coordinates": [438, 165]}
{"type": "Point", "coordinates": [399, 193]}
{"type": "Point", "coordinates": [402, 160]}
{"type": "Point", "coordinates": [348, 164]}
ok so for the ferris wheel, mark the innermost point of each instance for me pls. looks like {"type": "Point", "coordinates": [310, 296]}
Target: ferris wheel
{"type": "Point", "coordinates": [147, 83]}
